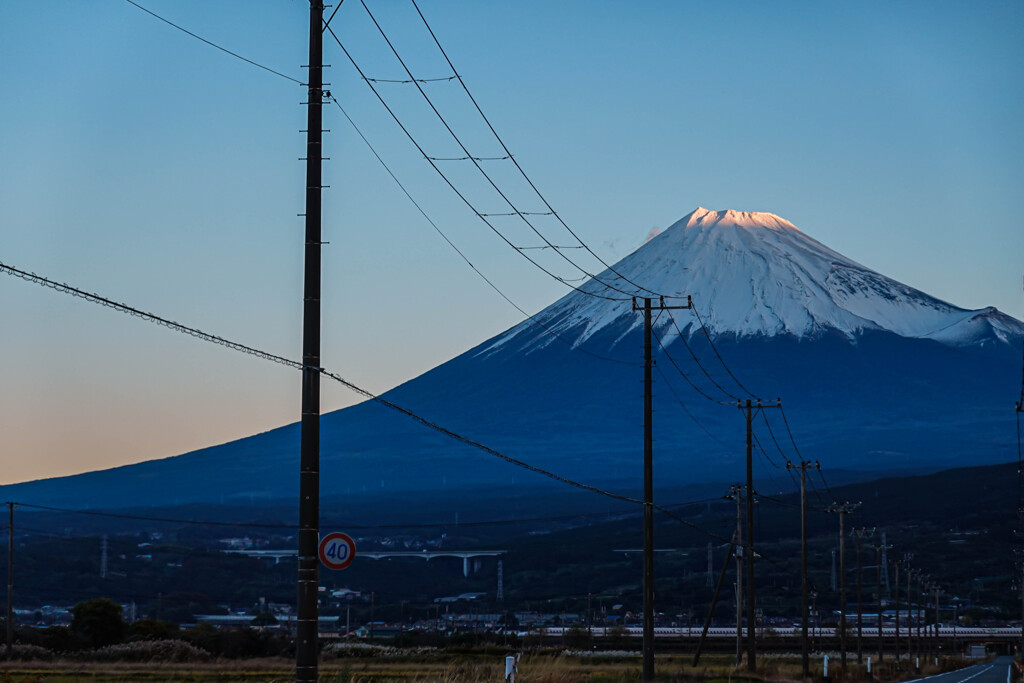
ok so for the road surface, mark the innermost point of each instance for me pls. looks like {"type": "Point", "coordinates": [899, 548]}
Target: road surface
{"type": "Point", "coordinates": [996, 671]}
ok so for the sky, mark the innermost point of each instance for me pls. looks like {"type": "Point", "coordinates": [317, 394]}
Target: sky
{"type": "Point", "coordinates": [151, 168]}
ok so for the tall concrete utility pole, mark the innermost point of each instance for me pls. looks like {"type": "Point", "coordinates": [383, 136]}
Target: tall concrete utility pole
{"type": "Point", "coordinates": [736, 493]}
{"type": "Point", "coordinates": [896, 603]}
{"type": "Point", "coordinates": [860, 534]}
{"type": "Point", "coordinates": [648, 625]}
{"type": "Point", "coordinates": [805, 651]}
{"type": "Point", "coordinates": [307, 618]}
{"type": "Point", "coordinates": [748, 547]}
{"type": "Point", "coordinates": [843, 509]}
{"type": "Point", "coordinates": [880, 549]}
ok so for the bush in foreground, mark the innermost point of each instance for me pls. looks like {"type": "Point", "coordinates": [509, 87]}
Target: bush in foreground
{"type": "Point", "coordinates": [149, 651]}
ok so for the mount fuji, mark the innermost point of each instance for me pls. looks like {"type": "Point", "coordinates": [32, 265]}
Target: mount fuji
{"type": "Point", "coordinates": [876, 378]}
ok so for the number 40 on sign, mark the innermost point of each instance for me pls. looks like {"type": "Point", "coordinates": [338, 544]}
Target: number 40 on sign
{"type": "Point", "coordinates": [337, 550]}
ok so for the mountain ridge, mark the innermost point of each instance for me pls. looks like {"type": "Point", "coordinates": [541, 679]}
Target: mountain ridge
{"type": "Point", "coordinates": [861, 397]}
{"type": "Point", "coordinates": [756, 273]}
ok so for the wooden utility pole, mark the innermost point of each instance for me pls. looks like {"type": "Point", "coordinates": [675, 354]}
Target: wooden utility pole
{"type": "Point", "coordinates": [307, 618]}
{"type": "Point", "coordinates": [805, 651]}
{"type": "Point", "coordinates": [896, 600]}
{"type": "Point", "coordinates": [714, 602]}
{"type": "Point", "coordinates": [879, 549]}
{"type": "Point", "coordinates": [907, 557]}
{"type": "Point", "coordinates": [749, 408]}
{"type": "Point", "coordinates": [860, 534]}
{"type": "Point", "coordinates": [648, 583]}
{"type": "Point", "coordinates": [736, 493]}
{"type": "Point", "coordinates": [922, 631]}
{"type": "Point", "coordinates": [843, 509]}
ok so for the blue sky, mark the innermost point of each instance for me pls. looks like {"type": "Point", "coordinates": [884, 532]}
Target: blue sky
{"type": "Point", "coordinates": [142, 164]}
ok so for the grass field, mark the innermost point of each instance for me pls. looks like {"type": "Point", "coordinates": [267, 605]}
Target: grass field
{"type": "Point", "coordinates": [540, 668]}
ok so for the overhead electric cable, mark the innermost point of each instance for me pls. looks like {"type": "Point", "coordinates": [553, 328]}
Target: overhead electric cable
{"type": "Point", "coordinates": [212, 44]}
{"type": "Point", "coordinates": [411, 80]}
{"type": "Point", "coordinates": [458, 193]}
{"type": "Point", "coordinates": [516, 211]}
{"type": "Point", "coordinates": [687, 412]}
{"type": "Point", "coordinates": [696, 360]}
{"type": "Point", "coordinates": [508, 156]}
{"type": "Point", "coordinates": [394, 525]}
{"type": "Point", "coordinates": [516, 163]}
{"type": "Point", "coordinates": [199, 334]}
{"type": "Point", "coordinates": [714, 348]}
{"type": "Point", "coordinates": [764, 417]}
{"type": "Point", "coordinates": [400, 185]}
{"type": "Point", "coordinates": [684, 375]}
{"type": "Point", "coordinates": [458, 251]}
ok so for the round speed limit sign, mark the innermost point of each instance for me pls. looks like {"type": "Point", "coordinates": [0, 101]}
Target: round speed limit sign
{"type": "Point", "coordinates": [337, 550]}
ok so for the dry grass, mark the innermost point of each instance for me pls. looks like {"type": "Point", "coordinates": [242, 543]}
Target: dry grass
{"type": "Point", "coordinates": [537, 668]}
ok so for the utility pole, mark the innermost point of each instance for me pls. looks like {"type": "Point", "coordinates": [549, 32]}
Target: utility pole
{"type": "Point", "coordinates": [648, 583]}
{"type": "Point", "coordinates": [748, 407]}
{"type": "Point", "coordinates": [907, 557]}
{"type": "Point", "coordinates": [880, 549]}
{"type": "Point", "coordinates": [10, 579]}
{"type": "Point", "coordinates": [921, 613]}
{"type": "Point", "coordinates": [805, 652]}
{"type": "Point", "coordinates": [307, 618]}
{"type": "Point", "coordinates": [1022, 608]}
{"type": "Point", "coordinates": [843, 509]}
{"type": "Point", "coordinates": [714, 602]}
{"type": "Point", "coordinates": [736, 493]}
{"type": "Point", "coordinates": [860, 534]}
{"type": "Point", "coordinates": [896, 599]}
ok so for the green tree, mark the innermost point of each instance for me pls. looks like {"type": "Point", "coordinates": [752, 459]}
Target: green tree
{"type": "Point", "coordinates": [99, 620]}
{"type": "Point", "coordinates": [152, 629]}
{"type": "Point", "coordinates": [264, 619]}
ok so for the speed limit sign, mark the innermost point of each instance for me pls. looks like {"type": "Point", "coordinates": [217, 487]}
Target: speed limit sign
{"type": "Point", "coordinates": [337, 550]}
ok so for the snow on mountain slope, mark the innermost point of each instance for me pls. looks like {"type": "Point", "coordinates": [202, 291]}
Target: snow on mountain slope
{"type": "Point", "coordinates": [756, 274]}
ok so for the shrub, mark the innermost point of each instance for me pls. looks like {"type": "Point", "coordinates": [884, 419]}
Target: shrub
{"type": "Point", "coordinates": [152, 629]}
{"type": "Point", "coordinates": [149, 651]}
{"type": "Point", "coordinates": [30, 653]}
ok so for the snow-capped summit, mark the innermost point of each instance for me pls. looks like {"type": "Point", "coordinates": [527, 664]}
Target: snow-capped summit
{"type": "Point", "coordinates": [860, 360]}
{"type": "Point", "coordinates": [756, 274]}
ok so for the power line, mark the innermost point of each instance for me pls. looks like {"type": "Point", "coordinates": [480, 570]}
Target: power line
{"type": "Point", "coordinates": [508, 156]}
{"type": "Point", "coordinates": [683, 374]}
{"type": "Point", "coordinates": [687, 412]}
{"type": "Point", "coordinates": [696, 360]}
{"type": "Point", "coordinates": [721, 360]}
{"type": "Point", "coordinates": [567, 282]}
{"type": "Point", "coordinates": [512, 158]}
{"type": "Point", "coordinates": [386, 168]}
{"type": "Point", "coordinates": [465, 258]}
{"type": "Point", "coordinates": [199, 334]}
{"type": "Point", "coordinates": [365, 527]}
{"type": "Point", "coordinates": [124, 308]}
{"type": "Point", "coordinates": [212, 44]}
{"type": "Point", "coordinates": [515, 210]}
